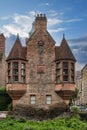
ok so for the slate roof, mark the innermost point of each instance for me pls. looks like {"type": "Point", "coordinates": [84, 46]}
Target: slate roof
{"type": "Point", "coordinates": [63, 52]}
{"type": "Point", "coordinates": [18, 52]}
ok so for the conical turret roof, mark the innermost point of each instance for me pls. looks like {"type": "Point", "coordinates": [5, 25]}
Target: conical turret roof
{"type": "Point", "coordinates": [17, 52]}
{"type": "Point", "coordinates": [63, 52]}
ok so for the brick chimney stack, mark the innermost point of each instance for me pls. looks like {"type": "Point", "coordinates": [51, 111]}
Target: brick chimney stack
{"type": "Point", "coordinates": [41, 22]}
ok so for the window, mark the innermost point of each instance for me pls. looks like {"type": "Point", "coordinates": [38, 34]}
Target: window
{"type": "Point", "coordinates": [72, 72]}
{"type": "Point", "coordinates": [65, 78]}
{"type": "Point", "coordinates": [48, 99]}
{"type": "Point", "coordinates": [65, 65]}
{"type": "Point", "coordinates": [41, 47]}
{"type": "Point", "coordinates": [58, 65]}
{"type": "Point", "coordinates": [15, 65]}
{"type": "Point", "coordinates": [65, 71]}
{"type": "Point", "coordinates": [23, 66]}
{"type": "Point", "coordinates": [15, 71]}
{"type": "Point", "coordinates": [58, 72]}
{"type": "Point", "coordinates": [32, 99]}
{"type": "Point", "coordinates": [23, 72]}
{"type": "Point", "coordinates": [9, 72]}
{"type": "Point", "coordinates": [9, 65]}
{"type": "Point", "coordinates": [58, 79]}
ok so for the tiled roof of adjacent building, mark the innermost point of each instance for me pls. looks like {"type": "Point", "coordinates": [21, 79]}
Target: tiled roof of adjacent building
{"type": "Point", "coordinates": [63, 52]}
{"type": "Point", "coordinates": [18, 52]}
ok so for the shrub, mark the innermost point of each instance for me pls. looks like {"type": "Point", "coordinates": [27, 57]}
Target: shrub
{"type": "Point", "coordinates": [4, 99]}
{"type": "Point", "coordinates": [75, 109]}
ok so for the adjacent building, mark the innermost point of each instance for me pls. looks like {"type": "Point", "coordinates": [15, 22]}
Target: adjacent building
{"type": "Point", "coordinates": [2, 61]}
{"type": "Point", "coordinates": [81, 84]}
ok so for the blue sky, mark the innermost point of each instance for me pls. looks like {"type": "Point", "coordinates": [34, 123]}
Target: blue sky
{"type": "Point", "coordinates": [64, 16]}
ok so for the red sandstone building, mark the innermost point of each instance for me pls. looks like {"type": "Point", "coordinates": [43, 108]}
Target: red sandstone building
{"type": "Point", "coordinates": [41, 74]}
{"type": "Point", "coordinates": [2, 61]}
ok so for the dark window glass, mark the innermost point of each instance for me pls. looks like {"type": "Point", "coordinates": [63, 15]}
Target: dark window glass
{"type": "Point", "coordinates": [65, 65]}
{"type": "Point", "coordinates": [9, 65]}
{"type": "Point", "coordinates": [58, 72]}
{"type": "Point", "coordinates": [65, 78]}
{"type": "Point", "coordinates": [15, 78]}
{"type": "Point", "coordinates": [23, 72]}
{"type": "Point", "coordinates": [72, 72]}
{"type": "Point", "coordinates": [9, 72]}
{"type": "Point", "coordinates": [15, 65]}
{"type": "Point", "coordinates": [15, 71]}
{"type": "Point", "coordinates": [58, 79]}
{"type": "Point", "coordinates": [65, 71]}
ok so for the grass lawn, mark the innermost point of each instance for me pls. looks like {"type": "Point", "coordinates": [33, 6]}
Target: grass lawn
{"type": "Point", "coordinates": [73, 123]}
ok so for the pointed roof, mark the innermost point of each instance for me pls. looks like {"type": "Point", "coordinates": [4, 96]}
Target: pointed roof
{"type": "Point", "coordinates": [17, 52]}
{"type": "Point", "coordinates": [63, 52]}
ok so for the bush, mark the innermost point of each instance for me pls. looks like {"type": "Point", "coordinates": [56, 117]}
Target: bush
{"type": "Point", "coordinates": [5, 100]}
{"type": "Point", "coordinates": [75, 109]}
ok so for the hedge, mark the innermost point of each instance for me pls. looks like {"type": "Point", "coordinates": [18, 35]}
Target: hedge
{"type": "Point", "coordinates": [5, 100]}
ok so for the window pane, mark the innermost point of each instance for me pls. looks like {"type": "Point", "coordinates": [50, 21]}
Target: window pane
{"type": "Point", "coordinates": [23, 66]}
{"type": "Point", "coordinates": [65, 71]}
{"type": "Point", "coordinates": [15, 72]}
{"type": "Point", "coordinates": [58, 72]}
{"type": "Point", "coordinates": [65, 65]}
{"type": "Point", "coordinates": [23, 79]}
{"type": "Point", "coordinates": [32, 99]}
{"type": "Point", "coordinates": [58, 79]}
{"type": "Point", "coordinates": [48, 99]}
{"type": "Point", "coordinates": [58, 65]}
{"type": "Point", "coordinates": [15, 78]}
{"type": "Point", "coordinates": [9, 65]}
{"type": "Point", "coordinates": [65, 78]}
{"type": "Point", "coordinates": [22, 72]}
{"type": "Point", "coordinates": [15, 65]}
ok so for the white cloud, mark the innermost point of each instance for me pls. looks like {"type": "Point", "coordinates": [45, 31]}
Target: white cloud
{"type": "Point", "coordinates": [13, 29]}
{"type": "Point", "coordinates": [44, 4]}
{"type": "Point", "coordinates": [19, 24]}
{"type": "Point", "coordinates": [79, 66]}
{"type": "Point", "coordinates": [73, 20]}
{"type": "Point", "coordinates": [54, 21]}
{"type": "Point", "coordinates": [54, 13]}
{"type": "Point", "coordinates": [56, 30]}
